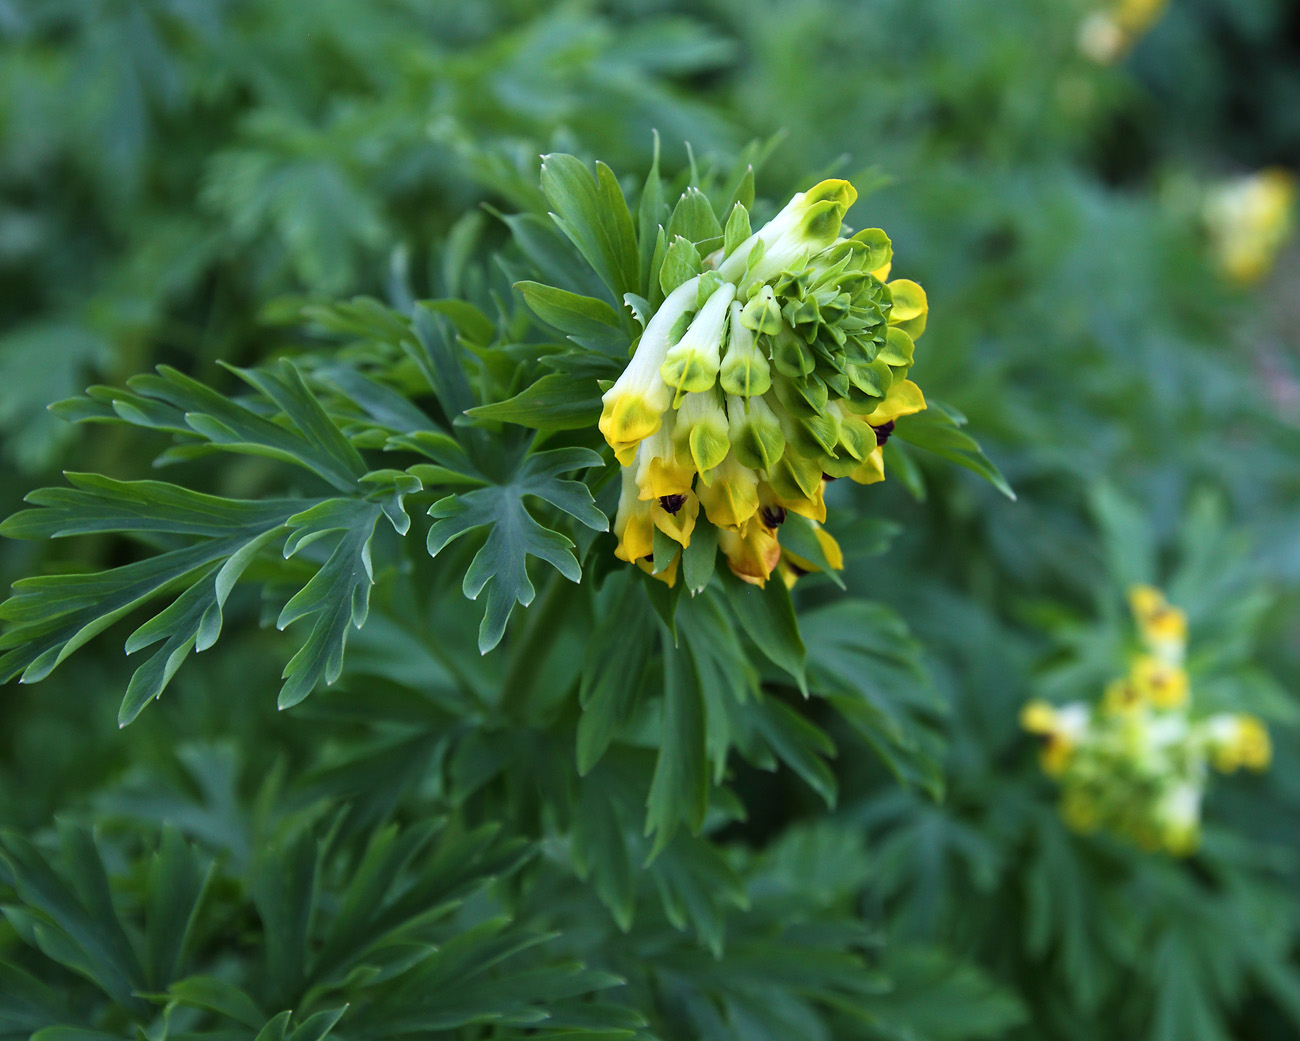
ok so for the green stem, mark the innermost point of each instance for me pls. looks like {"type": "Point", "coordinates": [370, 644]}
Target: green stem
{"type": "Point", "coordinates": [530, 651]}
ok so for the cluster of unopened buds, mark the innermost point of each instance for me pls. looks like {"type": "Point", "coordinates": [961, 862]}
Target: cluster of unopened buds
{"type": "Point", "coordinates": [780, 365]}
{"type": "Point", "coordinates": [1110, 30]}
{"type": "Point", "coordinates": [1250, 219]}
{"type": "Point", "coordinates": [1137, 764]}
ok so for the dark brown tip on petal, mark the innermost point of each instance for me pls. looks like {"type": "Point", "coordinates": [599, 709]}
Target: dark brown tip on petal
{"type": "Point", "coordinates": [883, 431]}
{"type": "Point", "coordinates": [672, 503]}
{"type": "Point", "coordinates": [828, 478]}
{"type": "Point", "coordinates": [772, 516]}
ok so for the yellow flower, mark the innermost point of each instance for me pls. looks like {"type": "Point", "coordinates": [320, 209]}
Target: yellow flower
{"type": "Point", "coordinates": [751, 555]}
{"type": "Point", "coordinates": [1107, 33]}
{"type": "Point", "coordinates": [660, 469]}
{"type": "Point", "coordinates": [1250, 219]}
{"type": "Point", "coordinates": [634, 406]}
{"type": "Point", "coordinates": [903, 399]}
{"type": "Point", "coordinates": [675, 516]}
{"type": "Point", "coordinates": [1238, 740]}
{"type": "Point", "coordinates": [1158, 682]}
{"type": "Point", "coordinates": [1163, 627]}
{"type": "Point", "coordinates": [1060, 731]}
{"type": "Point", "coordinates": [793, 566]}
{"type": "Point", "coordinates": [637, 518]}
{"type": "Point", "coordinates": [1121, 696]}
{"type": "Point", "coordinates": [730, 499]}
{"type": "Point", "coordinates": [910, 308]}
{"type": "Point", "coordinates": [787, 491]}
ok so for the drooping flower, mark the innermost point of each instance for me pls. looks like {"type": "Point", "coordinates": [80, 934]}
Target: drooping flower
{"type": "Point", "coordinates": [634, 406]}
{"type": "Point", "coordinates": [782, 364]}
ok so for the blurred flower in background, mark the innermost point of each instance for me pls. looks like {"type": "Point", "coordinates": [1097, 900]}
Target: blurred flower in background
{"type": "Point", "coordinates": [1250, 219]}
{"type": "Point", "coordinates": [1137, 764]}
{"type": "Point", "coordinates": [1109, 32]}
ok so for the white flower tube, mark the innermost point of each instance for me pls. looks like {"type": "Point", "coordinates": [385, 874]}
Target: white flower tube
{"type": "Point", "coordinates": [691, 364]}
{"type": "Point", "coordinates": [635, 404]}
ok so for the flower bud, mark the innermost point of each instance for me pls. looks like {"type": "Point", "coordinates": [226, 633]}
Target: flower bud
{"type": "Point", "coordinates": [745, 371]}
{"type": "Point", "coordinates": [691, 364]}
{"type": "Point", "coordinates": [730, 500]}
{"type": "Point", "coordinates": [809, 222]}
{"type": "Point", "coordinates": [660, 469]}
{"type": "Point", "coordinates": [701, 432]}
{"type": "Point", "coordinates": [755, 433]}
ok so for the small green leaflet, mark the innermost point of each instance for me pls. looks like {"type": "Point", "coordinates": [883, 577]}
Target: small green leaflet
{"type": "Point", "coordinates": [513, 534]}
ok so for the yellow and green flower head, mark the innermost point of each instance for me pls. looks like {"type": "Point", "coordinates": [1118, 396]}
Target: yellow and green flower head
{"type": "Point", "coordinates": [781, 365]}
{"type": "Point", "coordinates": [1137, 764]}
{"type": "Point", "coordinates": [1250, 219]}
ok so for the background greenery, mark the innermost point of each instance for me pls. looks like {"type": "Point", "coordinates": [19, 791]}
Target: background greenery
{"type": "Point", "coordinates": [174, 169]}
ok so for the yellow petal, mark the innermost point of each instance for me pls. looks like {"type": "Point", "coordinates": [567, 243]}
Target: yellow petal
{"type": "Point", "coordinates": [1038, 717]}
{"type": "Point", "coordinates": [677, 526]}
{"type": "Point", "coordinates": [625, 451]}
{"type": "Point", "coordinates": [872, 470]}
{"type": "Point", "coordinates": [732, 497]}
{"type": "Point", "coordinates": [1145, 600]}
{"type": "Point", "coordinates": [637, 538]}
{"type": "Point", "coordinates": [904, 398]}
{"type": "Point", "coordinates": [666, 476]}
{"type": "Point", "coordinates": [909, 301]}
{"type": "Point", "coordinates": [668, 576]}
{"type": "Point", "coordinates": [1164, 685]}
{"type": "Point", "coordinates": [752, 556]}
{"type": "Point", "coordinates": [830, 549]}
{"type": "Point", "coordinates": [812, 506]}
{"type": "Point", "coordinates": [834, 555]}
{"type": "Point", "coordinates": [629, 417]}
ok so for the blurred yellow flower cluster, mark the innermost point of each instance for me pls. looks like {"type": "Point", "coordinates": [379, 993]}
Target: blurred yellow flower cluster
{"type": "Point", "coordinates": [1137, 763]}
{"type": "Point", "coordinates": [1250, 219]}
{"type": "Point", "coordinates": [1111, 29]}
{"type": "Point", "coordinates": [778, 367]}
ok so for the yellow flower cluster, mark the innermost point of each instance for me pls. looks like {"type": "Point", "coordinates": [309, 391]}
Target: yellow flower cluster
{"type": "Point", "coordinates": [781, 365]}
{"type": "Point", "coordinates": [1109, 32]}
{"type": "Point", "coordinates": [1137, 764]}
{"type": "Point", "coordinates": [1250, 219]}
